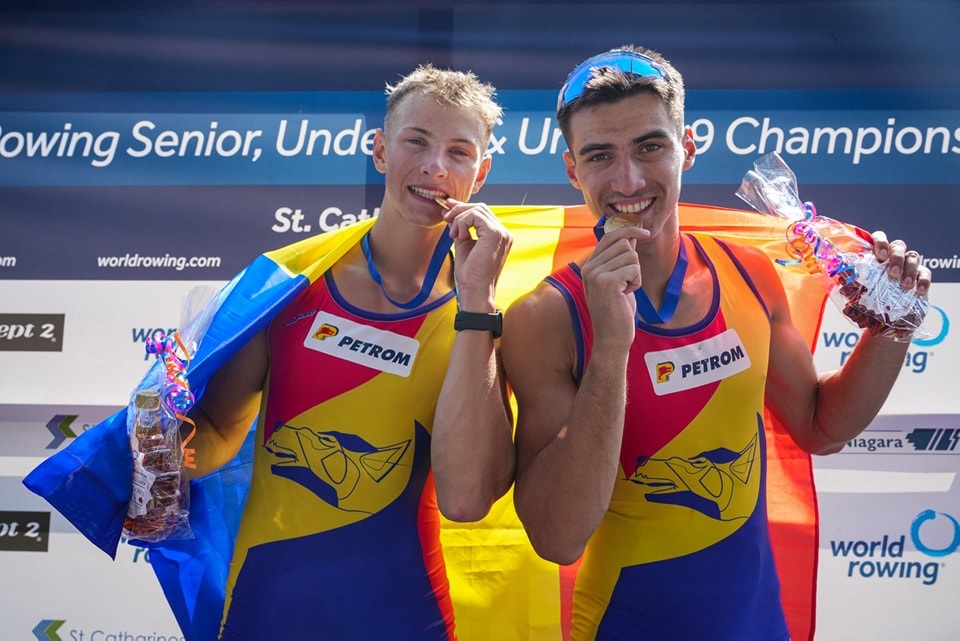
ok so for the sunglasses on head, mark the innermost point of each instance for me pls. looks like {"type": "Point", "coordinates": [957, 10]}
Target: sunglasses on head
{"type": "Point", "coordinates": [630, 62]}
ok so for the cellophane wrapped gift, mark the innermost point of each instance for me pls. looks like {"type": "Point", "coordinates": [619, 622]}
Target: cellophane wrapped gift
{"type": "Point", "coordinates": [835, 253]}
{"type": "Point", "coordinates": [159, 507]}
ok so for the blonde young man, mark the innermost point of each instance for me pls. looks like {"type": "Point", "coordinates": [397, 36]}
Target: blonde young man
{"type": "Point", "coordinates": [652, 472]}
{"type": "Point", "coordinates": [384, 363]}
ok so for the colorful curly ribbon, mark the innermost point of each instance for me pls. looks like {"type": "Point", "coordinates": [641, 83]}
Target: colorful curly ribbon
{"type": "Point", "coordinates": [176, 390]}
{"type": "Point", "coordinates": [814, 251]}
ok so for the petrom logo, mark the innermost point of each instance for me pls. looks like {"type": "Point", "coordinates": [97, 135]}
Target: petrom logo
{"type": "Point", "coordinates": [883, 558]}
{"type": "Point", "coordinates": [378, 349]}
{"type": "Point", "coordinates": [46, 630]}
{"type": "Point", "coordinates": [31, 332]}
{"type": "Point", "coordinates": [326, 330]}
{"type": "Point", "coordinates": [937, 324]}
{"type": "Point", "coordinates": [697, 364]}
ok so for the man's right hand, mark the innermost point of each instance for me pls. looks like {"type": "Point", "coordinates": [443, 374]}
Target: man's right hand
{"type": "Point", "coordinates": [610, 277]}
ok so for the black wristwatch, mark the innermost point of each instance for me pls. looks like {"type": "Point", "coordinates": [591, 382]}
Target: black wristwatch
{"type": "Point", "coordinates": [492, 323]}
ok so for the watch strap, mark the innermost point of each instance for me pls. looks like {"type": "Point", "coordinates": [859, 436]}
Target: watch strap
{"type": "Point", "coordinates": [490, 322]}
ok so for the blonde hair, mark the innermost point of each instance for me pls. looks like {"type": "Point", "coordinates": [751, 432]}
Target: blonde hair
{"type": "Point", "coordinates": [452, 88]}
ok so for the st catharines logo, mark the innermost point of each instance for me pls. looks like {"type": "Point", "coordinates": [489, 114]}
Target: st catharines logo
{"type": "Point", "coordinates": [933, 534]}
{"type": "Point", "coordinates": [46, 630]}
{"type": "Point", "coordinates": [60, 427]}
{"type": "Point", "coordinates": [50, 630]}
{"type": "Point", "coordinates": [31, 332]}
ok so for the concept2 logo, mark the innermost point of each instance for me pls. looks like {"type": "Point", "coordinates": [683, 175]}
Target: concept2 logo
{"type": "Point", "coordinates": [31, 332]}
{"type": "Point", "coordinates": [24, 531]}
{"type": "Point", "coordinates": [916, 360]}
{"type": "Point", "coordinates": [883, 558]}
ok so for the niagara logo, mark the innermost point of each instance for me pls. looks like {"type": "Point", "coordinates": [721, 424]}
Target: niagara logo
{"type": "Point", "coordinates": [926, 440]}
{"type": "Point", "coordinates": [883, 559]}
{"type": "Point", "coordinates": [916, 359]}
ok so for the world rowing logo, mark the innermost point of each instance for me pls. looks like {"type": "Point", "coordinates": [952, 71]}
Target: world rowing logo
{"type": "Point", "coordinates": [919, 524]}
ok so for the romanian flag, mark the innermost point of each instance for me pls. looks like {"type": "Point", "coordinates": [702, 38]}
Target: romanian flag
{"type": "Point", "coordinates": [501, 589]}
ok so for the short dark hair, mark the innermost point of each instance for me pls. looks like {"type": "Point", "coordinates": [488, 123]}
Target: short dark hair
{"type": "Point", "coordinates": [607, 84]}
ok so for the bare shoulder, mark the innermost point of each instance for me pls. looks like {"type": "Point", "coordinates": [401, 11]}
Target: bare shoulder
{"type": "Point", "coordinates": [537, 328]}
{"type": "Point", "coordinates": [543, 309]}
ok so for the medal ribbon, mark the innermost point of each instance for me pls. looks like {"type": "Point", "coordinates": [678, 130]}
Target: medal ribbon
{"type": "Point", "coordinates": [444, 243]}
{"type": "Point", "coordinates": [668, 306]}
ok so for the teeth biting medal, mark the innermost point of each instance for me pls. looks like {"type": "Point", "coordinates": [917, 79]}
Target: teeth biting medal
{"type": "Point", "coordinates": [616, 222]}
{"type": "Point", "coordinates": [646, 312]}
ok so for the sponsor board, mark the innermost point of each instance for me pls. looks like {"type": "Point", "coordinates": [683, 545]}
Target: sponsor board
{"type": "Point", "coordinates": [925, 382]}
{"type": "Point", "coordinates": [74, 592]}
{"type": "Point", "coordinates": [935, 535]}
{"type": "Point", "coordinates": [921, 435]}
{"type": "Point", "coordinates": [304, 139]}
{"type": "Point", "coordinates": [887, 558]}
{"type": "Point", "coordinates": [39, 430]}
{"type": "Point", "coordinates": [104, 355]}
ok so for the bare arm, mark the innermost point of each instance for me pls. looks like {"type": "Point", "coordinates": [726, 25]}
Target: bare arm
{"type": "Point", "coordinates": [472, 451]}
{"type": "Point", "coordinates": [228, 407]}
{"type": "Point", "coordinates": [568, 438]}
{"type": "Point", "coordinates": [824, 411]}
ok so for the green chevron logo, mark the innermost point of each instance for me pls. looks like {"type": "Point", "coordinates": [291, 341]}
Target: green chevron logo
{"type": "Point", "coordinates": [59, 426]}
{"type": "Point", "coordinates": [46, 630]}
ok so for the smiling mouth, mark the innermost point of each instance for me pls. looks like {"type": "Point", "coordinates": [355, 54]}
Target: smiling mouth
{"type": "Point", "coordinates": [631, 209]}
